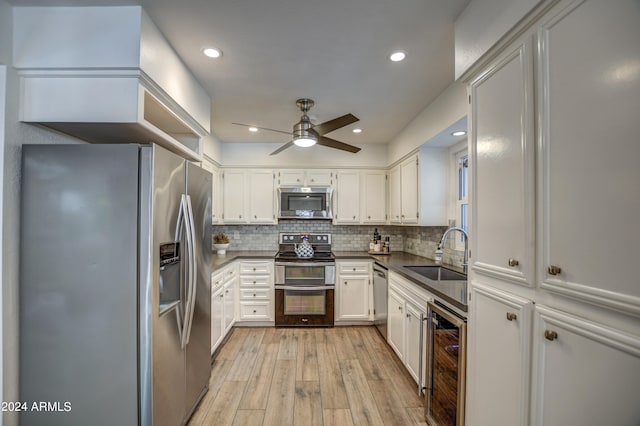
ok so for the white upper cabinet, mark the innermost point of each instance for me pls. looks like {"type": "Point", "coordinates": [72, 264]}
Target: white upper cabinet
{"type": "Point", "coordinates": [233, 193]}
{"type": "Point", "coordinates": [409, 195]}
{"type": "Point", "coordinates": [216, 190]}
{"type": "Point", "coordinates": [122, 82]}
{"type": "Point", "coordinates": [262, 197]}
{"type": "Point", "coordinates": [418, 189]}
{"type": "Point", "coordinates": [249, 196]}
{"type": "Point", "coordinates": [589, 201]}
{"type": "Point", "coordinates": [502, 166]}
{"type": "Point", "coordinates": [347, 197]}
{"type": "Point", "coordinates": [374, 200]}
{"type": "Point", "coordinates": [293, 177]}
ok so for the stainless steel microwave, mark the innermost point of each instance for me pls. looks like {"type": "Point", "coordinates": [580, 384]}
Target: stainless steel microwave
{"type": "Point", "coordinates": [301, 202]}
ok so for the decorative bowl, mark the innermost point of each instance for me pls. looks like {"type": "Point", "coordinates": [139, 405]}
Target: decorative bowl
{"type": "Point", "coordinates": [221, 248]}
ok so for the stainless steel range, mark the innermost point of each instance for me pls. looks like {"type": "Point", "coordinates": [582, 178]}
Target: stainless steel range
{"type": "Point", "coordinates": [304, 280]}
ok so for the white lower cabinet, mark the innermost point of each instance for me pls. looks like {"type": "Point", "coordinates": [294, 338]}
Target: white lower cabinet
{"type": "Point", "coordinates": [584, 373]}
{"type": "Point", "coordinates": [406, 330]}
{"type": "Point", "coordinates": [223, 302]}
{"type": "Point", "coordinates": [499, 346]}
{"type": "Point", "coordinates": [256, 292]}
{"type": "Point", "coordinates": [353, 291]}
{"type": "Point", "coordinates": [217, 318]}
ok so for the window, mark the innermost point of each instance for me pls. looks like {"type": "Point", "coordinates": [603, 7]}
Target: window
{"type": "Point", "coordinates": [461, 159]}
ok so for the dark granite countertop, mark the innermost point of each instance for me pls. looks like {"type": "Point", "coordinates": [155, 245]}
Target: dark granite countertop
{"type": "Point", "coordinates": [453, 292]}
{"type": "Point", "coordinates": [219, 261]}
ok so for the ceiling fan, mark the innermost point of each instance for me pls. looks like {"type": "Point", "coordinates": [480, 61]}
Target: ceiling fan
{"type": "Point", "coordinates": [307, 134]}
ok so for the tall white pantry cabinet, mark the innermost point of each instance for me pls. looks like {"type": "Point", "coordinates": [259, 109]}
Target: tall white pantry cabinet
{"type": "Point", "coordinates": [554, 323]}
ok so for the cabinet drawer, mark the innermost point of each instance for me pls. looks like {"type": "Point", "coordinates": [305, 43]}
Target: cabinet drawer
{"type": "Point", "coordinates": [229, 272]}
{"type": "Point", "coordinates": [359, 268]}
{"type": "Point", "coordinates": [255, 294]}
{"type": "Point", "coordinates": [216, 279]}
{"type": "Point", "coordinates": [255, 281]}
{"type": "Point", "coordinates": [257, 310]}
{"type": "Point", "coordinates": [248, 268]}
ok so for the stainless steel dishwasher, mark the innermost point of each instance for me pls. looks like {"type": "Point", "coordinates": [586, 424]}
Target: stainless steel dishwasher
{"type": "Point", "coordinates": [380, 298]}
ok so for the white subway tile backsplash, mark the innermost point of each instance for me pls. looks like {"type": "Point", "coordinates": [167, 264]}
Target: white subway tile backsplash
{"type": "Point", "coordinates": [421, 241]}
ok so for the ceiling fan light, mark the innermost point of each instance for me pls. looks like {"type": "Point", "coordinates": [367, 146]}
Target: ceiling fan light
{"type": "Point", "coordinates": [253, 129]}
{"type": "Point", "coordinates": [304, 142]}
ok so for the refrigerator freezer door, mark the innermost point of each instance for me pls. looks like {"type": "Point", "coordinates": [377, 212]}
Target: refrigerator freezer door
{"type": "Point", "coordinates": [79, 283]}
{"type": "Point", "coordinates": [166, 356]}
{"type": "Point", "coordinates": [199, 348]}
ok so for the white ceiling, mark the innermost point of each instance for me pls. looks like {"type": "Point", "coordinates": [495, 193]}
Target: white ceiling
{"type": "Point", "coordinates": [332, 51]}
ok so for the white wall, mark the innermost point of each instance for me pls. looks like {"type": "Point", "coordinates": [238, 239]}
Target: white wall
{"type": "Point", "coordinates": [15, 135]}
{"type": "Point", "coordinates": [449, 107]}
{"type": "Point", "coordinates": [481, 24]}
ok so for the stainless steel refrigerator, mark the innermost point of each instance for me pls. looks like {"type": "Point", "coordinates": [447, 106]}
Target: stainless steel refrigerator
{"type": "Point", "coordinates": [114, 285]}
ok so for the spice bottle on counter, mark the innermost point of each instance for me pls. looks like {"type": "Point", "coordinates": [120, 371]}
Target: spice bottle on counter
{"type": "Point", "coordinates": [386, 245]}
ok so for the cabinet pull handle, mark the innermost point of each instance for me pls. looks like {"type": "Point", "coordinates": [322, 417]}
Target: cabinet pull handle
{"type": "Point", "coordinates": [550, 335]}
{"type": "Point", "coordinates": [554, 270]}
{"type": "Point", "coordinates": [513, 262]}
{"type": "Point", "coordinates": [511, 316]}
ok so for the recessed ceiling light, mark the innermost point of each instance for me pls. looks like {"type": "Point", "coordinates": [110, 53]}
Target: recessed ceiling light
{"type": "Point", "coordinates": [397, 56]}
{"type": "Point", "coordinates": [212, 52]}
{"type": "Point", "coordinates": [253, 129]}
{"type": "Point", "coordinates": [357, 130]}
{"type": "Point", "coordinates": [459, 133]}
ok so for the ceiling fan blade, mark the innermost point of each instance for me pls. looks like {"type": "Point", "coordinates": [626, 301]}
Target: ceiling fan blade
{"type": "Point", "coordinates": [336, 123]}
{"type": "Point", "coordinates": [332, 143]}
{"type": "Point", "coordinates": [282, 148]}
{"type": "Point", "coordinates": [262, 128]}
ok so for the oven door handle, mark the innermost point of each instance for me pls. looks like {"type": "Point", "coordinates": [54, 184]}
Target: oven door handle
{"type": "Point", "coordinates": [304, 288]}
{"type": "Point", "coordinates": [305, 264]}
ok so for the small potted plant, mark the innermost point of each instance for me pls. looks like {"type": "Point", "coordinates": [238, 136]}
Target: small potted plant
{"type": "Point", "coordinates": [220, 243]}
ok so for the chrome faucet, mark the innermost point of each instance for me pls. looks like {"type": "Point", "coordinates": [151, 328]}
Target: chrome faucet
{"type": "Point", "coordinates": [465, 261]}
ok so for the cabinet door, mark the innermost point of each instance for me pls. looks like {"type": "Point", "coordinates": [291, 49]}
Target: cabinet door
{"type": "Point", "coordinates": [217, 318]}
{"type": "Point", "coordinates": [347, 197]}
{"type": "Point", "coordinates": [584, 373]}
{"type": "Point", "coordinates": [262, 197]}
{"type": "Point", "coordinates": [395, 323]}
{"type": "Point", "coordinates": [216, 197]}
{"type": "Point", "coordinates": [409, 197]}
{"type": "Point", "coordinates": [374, 196]}
{"type": "Point", "coordinates": [291, 177]}
{"type": "Point", "coordinates": [502, 158]}
{"type": "Point", "coordinates": [353, 295]}
{"type": "Point", "coordinates": [415, 353]}
{"type": "Point", "coordinates": [394, 195]}
{"type": "Point", "coordinates": [230, 303]}
{"type": "Point", "coordinates": [319, 178]}
{"type": "Point", "coordinates": [588, 168]}
{"type": "Point", "coordinates": [499, 347]}
{"type": "Point", "coordinates": [233, 183]}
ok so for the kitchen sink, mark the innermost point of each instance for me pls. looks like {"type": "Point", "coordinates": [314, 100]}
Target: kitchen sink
{"type": "Point", "coordinates": [437, 273]}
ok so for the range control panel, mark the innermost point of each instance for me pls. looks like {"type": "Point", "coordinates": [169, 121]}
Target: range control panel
{"type": "Point", "coordinates": [290, 238]}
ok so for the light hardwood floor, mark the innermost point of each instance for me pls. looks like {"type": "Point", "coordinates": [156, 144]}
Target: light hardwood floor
{"type": "Point", "coordinates": [311, 376]}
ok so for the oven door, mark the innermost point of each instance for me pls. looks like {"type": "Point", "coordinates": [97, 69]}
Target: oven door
{"type": "Point", "coordinates": [305, 273]}
{"type": "Point", "coordinates": [304, 305]}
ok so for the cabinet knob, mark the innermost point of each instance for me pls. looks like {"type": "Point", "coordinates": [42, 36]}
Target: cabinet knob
{"type": "Point", "coordinates": [513, 262]}
{"type": "Point", "coordinates": [254, 269]}
{"type": "Point", "coordinates": [408, 316]}
{"type": "Point", "coordinates": [345, 283]}
{"type": "Point", "coordinates": [550, 335]}
{"type": "Point", "coordinates": [313, 180]}
{"type": "Point", "coordinates": [554, 270]}
{"type": "Point", "coordinates": [254, 282]}
{"type": "Point", "coordinates": [511, 316]}
{"type": "Point", "coordinates": [354, 269]}
{"type": "Point", "coordinates": [239, 216]}
{"type": "Point", "coordinates": [254, 295]}
{"type": "Point", "coordinates": [403, 216]}
{"type": "Point", "coordinates": [221, 296]}
{"type": "Point", "coordinates": [297, 180]}
{"type": "Point", "coordinates": [369, 217]}
{"type": "Point", "coordinates": [255, 216]}
{"type": "Point", "coordinates": [254, 311]}
{"type": "Point", "coordinates": [354, 218]}
{"type": "Point", "coordinates": [226, 291]}
{"type": "Point", "coordinates": [400, 308]}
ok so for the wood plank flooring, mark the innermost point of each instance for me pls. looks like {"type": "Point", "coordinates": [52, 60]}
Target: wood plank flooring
{"type": "Point", "coordinates": [311, 376]}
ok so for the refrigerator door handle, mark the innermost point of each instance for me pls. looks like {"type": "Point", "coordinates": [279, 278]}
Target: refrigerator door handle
{"type": "Point", "coordinates": [191, 230]}
{"type": "Point", "coordinates": [180, 316]}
